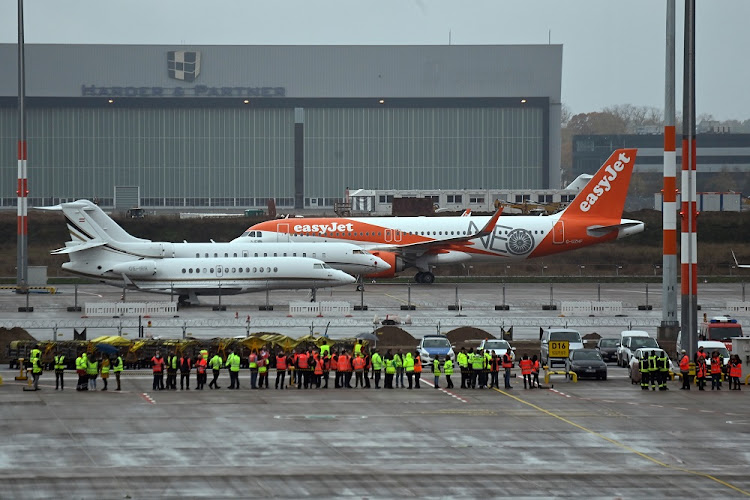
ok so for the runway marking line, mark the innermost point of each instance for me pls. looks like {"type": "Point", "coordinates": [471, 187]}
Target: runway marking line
{"type": "Point", "coordinates": [624, 446]}
{"type": "Point", "coordinates": [148, 398]}
{"type": "Point", "coordinates": [446, 391]}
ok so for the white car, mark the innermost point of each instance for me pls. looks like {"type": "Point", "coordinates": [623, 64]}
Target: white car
{"type": "Point", "coordinates": [620, 344]}
{"type": "Point", "coordinates": [434, 345]}
{"type": "Point", "coordinates": [634, 369]}
{"type": "Point", "coordinates": [497, 346]}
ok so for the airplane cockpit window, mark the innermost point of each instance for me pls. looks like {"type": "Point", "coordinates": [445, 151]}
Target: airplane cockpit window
{"type": "Point", "coordinates": [317, 266]}
{"type": "Point", "coordinates": [358, 251]}
{"type": "Point", "coordinates": [326, 266]}
{"type": "Point", "coordinates": [259, 234]}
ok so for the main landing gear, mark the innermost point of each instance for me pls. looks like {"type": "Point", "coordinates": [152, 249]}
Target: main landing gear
{"type": "Point", "coordinates": [424, 277]}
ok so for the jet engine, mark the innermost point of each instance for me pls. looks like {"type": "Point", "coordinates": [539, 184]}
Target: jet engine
{"type": "Point", "coordinates": [392, 259]}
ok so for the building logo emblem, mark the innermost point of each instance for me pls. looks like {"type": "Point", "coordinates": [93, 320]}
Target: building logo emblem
{"type": "Point", "coordinates": [184, 65]}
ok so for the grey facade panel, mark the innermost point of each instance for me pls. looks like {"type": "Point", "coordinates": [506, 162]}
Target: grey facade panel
{"type": "Point", "coordinates": [301, 70]}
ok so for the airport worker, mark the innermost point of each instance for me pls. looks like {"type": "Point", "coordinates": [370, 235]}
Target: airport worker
{"type": "Point", "coordinates": [215, 364]}
{"type": "Point", "coordinates": [417, 369]}
{"type": "Point", "coordinates": [118, 370]}
{"type": "Point", "coordinates": [716, 366]}
{"type": "Point", "coordinates": [59, 369]}
{"type": "Point", "coordinates": [81, 366]}
{"type": "Point", "coordinates": [104, 370]}
{"type": "Point", "coordinates": [494, 371]}
{"type": "Point", "coordinates": [185, 366]}
{"type": "Point", "coordinates": [157, 367]}
{"type": "Point", "coordinates": [448, 371]}
{"type": "Point", "coordinates": [262, 373]}
{"type": "Point", "coordinates": [201, 367]}
{"type": "Point", "coordinates": [700, 373]}
{"type": "Point", "coordinates": [280, 369]}
{"type": "Point", "coordinates": [377, 366]}
{"type": "Point", "coordinates": [325, 348]}
{"type": "Point", "coordinates": [662, 363]}
{"type": "Point", "coordinates": [735, 372]}
{"type": "Point", "coordinates": [685, 371]}
{"type": "Point", "coordinates": [700, 353]}
{"type": "Point", "coordinates": [326, 367]}
{"type": "Point", "coordinates": [335, 369]}
{"type": "Point", "coordinates": [526, 367]}
{"type": "Point", "coordinates": [477, 366]}
{"type": "Point", "coordinates": [469, 370]}
{"type": "Point", "coordinates": [507, 365]}
{"type": "Point", "coordinates": [36, 366]}
{"type": "Point", "coordinates": [409, 367]}
{"type": "Point", "coordinates": [653, 370]}
{"type": "Point", "coordinates": [345, 366]}
{"type": "Point", "coordinates": [486, 369]}
{"type": "Point", "coordinates": [358, 365]}
{"type": "Point", "coordinates": [92, 371]}
{"type": "Point", "coordinates": [318, 364]}
{"type": "Point", "coordinates": [399, 363]}
{"type": "Point", "coordinates": [303, 364]}
{"type": "Point", "coordinates": [357, 347]}
{"type": "Point", "coordinates": [436, 371]}
{"type": "Point", "coordinates": [368, 366]}
{"type": "Point", "coordinates": [233, 362]}
{"type": "Point", "coordinates": [644, 368]}
{"type": "Point", "coordinates": [390, 371]}
{"type": "Point", "coordinates": [252, 363]}
{"type": "Point", "coordinates": [463, 364]}
{"type": "Point", "coordinates": [172, 371]}
{"type": "Point", "coordinates": [535, 365]}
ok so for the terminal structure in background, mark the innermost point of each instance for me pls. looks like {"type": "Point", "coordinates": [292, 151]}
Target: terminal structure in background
{"type": "Point", "coordinates": [232, 126]}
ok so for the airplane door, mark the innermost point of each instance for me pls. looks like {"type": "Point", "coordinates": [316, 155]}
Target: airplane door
{"type": "Point", "coordinates": [558, 233]}
{"type": "Point", "coordinates": [282, 232]}
{"type": "Point", "coordinates": [388, 235]}
{"type": "Point", "coordinates": [398, 235]}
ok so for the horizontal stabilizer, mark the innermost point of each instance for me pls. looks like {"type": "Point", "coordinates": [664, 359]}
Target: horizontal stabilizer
{"type": "Point", "coordinates": [79, 248]}
{"type": "Point", "coordinates": [603, 230]}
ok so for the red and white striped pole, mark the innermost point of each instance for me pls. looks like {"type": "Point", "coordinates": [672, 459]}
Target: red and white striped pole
{"type": "Point", "coordinates": [22, 262]}
{"type": "Point", "coordinates": [689, 240]}
{"type": "Point", "coordinates": [669, 323]}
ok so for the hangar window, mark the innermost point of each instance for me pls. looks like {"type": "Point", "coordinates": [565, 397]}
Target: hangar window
{"type": "Point", "coordinates": [476, 199]}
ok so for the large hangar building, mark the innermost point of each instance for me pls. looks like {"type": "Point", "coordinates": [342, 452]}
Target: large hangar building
{"type": "Point", "coordinates": [231, 126]}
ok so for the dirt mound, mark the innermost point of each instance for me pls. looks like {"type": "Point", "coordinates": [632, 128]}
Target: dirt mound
{"type": "Point", "coordinates": [394, 336]}
{"type": "Point", "coordinates": [466, 333]}
{"type": "Point", "coordinates": [592, 336]}
{"type": "Point", "coordinates": [8, 336]}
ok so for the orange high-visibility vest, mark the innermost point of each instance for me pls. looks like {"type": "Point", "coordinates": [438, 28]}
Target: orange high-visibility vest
{"type": "Point", "coordinates": [302, 361]}
{"type": "Point", "coordinates": [525, 365]}
{"type": "Point", "coordinates": [318, 367]}
{"type": "Point", "coordinates": [685, 363]}
{"type": "Point", "coordinates": [735, 370]}
{"type": "Point", "coordinates": [344, 365]}
{"type": "Point", "coordinates": [281, 362]}
{"type": "Point", "coordinates": [715, 365]}
{"type": "Point", "coordinates": [358, 364]}
{"type": "Point", "coordinates": [417, 365]}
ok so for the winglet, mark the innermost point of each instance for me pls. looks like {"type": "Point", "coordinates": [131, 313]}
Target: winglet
{"type": "Point", "coordinates": [735, 259]}
{"type": "Point", "coordinates": [490, 226]}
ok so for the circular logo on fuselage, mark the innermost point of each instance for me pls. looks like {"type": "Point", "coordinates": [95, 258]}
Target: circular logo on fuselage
{"type": "Point", "coordinates": [520, 241]}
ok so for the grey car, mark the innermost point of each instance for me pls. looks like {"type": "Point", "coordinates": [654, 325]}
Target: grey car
{"type": "Point", "coordinates": [608, 348]}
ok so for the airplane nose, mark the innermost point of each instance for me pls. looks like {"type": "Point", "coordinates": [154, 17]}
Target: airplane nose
{"type": "Point", "coordinates": [345, 278]}
{"type": "Point", "coordinates": [380, 264]}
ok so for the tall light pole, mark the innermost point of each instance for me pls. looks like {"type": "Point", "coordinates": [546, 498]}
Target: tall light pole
{"type": "Point", "coordinates": [669, 324]}
{"type": "Point", "coordinates": [689, 246]}
{"type": "Point", "coordinates": [22, 262]}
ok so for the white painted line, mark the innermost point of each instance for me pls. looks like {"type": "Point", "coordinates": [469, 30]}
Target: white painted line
{"type": "Point", "coordinates": [148, 398]}
{"type": "Point", "coordinates": [446, 392]}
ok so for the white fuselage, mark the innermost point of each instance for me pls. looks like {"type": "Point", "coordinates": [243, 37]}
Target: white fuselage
{"type": "Point", "coordinates": [209, 276]}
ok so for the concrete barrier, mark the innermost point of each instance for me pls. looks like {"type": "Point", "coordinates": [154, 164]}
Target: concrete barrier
{"type": "Point", "coordinates": [587, 307]}
{"type": "Point", "coordinates": [130, 308]}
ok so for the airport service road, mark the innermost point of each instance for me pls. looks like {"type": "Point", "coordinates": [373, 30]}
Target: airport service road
{"type": "Point", "coordinates": [585, 440]}
{"type": "Point", "coordinates": [431, 315]}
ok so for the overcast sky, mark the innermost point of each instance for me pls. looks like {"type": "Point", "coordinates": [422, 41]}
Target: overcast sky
{"type": "Point", "coordinates": [613, 51]}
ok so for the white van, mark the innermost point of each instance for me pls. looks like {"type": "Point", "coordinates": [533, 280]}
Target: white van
{"type": "Point", "coordinates": [550, 334]}
{"type": "Point", "coordinates": [708, 346]}
{"type": "Point", "coordinates": [623, 357]}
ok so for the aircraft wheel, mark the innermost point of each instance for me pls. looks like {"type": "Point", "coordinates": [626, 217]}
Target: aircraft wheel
{"type": "Point", "coordinates": [360, 288]}
{"type": "Point", "coordinates": [428, 278]}
{"type": "Point", "coordinates": [418, 277]}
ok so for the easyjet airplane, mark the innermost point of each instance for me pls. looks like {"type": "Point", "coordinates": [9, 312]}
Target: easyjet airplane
{"type": "Point", "coordinates": [594, 216]}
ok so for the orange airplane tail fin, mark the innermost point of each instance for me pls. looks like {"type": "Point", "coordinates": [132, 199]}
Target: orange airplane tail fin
{"type": "Point", "coordinates": [604, 195]}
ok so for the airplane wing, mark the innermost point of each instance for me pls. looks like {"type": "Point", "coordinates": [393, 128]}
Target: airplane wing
{"type": "Point", "coordinates": [425, 246]}
{"type": "Point", "coordinates": [743, 266]}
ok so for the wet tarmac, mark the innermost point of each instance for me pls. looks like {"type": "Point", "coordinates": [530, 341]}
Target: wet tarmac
{"type": "Point", "coordinates": [590, 439]}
